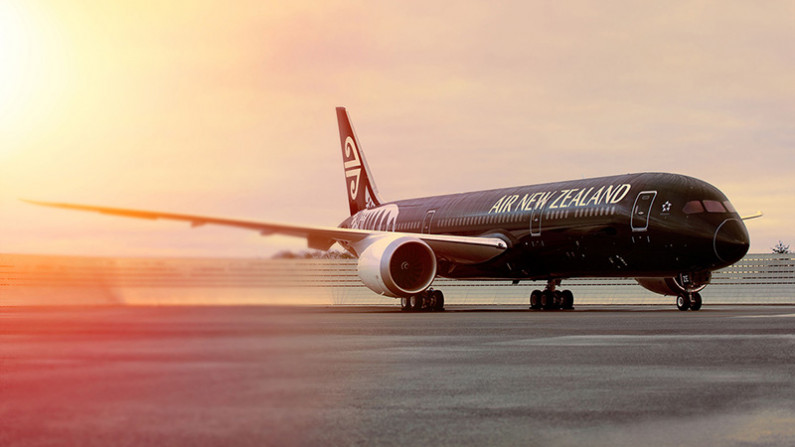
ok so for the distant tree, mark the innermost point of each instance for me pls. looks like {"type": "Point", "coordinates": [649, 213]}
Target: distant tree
{"type": "Point", "coordinates": [286, 254]}
{"type": "Point", "coordinates": [335, 254]}
{"type": "Point", "coordinates": [780, 248]}
{"type": "Point", "coordinates": [312, 254]}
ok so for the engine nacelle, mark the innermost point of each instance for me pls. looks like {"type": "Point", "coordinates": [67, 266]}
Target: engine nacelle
{"type": "Point", "coordinates": [399, 266]}
{"type": "Point", "coordinates": [685, 282]}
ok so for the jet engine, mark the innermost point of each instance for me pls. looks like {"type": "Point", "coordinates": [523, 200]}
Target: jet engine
{"type": "Point", "coordinates": [684, 282]}
{"type": "Point", "coordinates": [399, 266]}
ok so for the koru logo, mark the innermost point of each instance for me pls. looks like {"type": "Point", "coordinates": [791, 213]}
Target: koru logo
{"type": "Point", "coordinates": [353, 167]}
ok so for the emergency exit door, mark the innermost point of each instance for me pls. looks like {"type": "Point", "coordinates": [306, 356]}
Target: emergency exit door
{"type": "Point", "coordinates": [426, 223]}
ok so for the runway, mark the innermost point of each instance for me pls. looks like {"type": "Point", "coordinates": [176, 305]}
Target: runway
{"type": "Point", "coordinates": [207, 376]}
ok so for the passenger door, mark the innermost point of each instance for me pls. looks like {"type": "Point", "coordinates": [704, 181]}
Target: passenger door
{"type": "Point", "coordinates": [641, 210]}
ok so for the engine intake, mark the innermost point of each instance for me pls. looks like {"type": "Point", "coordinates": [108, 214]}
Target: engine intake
{"type": "Point", "coordinates": [398, 266]}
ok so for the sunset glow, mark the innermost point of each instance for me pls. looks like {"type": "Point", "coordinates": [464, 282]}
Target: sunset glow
{"type": "Point", "coordinates": [29, 72]}
{"type": "Point", "coordinates": [14, 56]}
{"type": "Point", "coordinates": [206, 108]}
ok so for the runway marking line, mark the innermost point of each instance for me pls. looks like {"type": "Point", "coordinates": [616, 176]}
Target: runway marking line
{"type": "Point", "coordinates": [606, 340]}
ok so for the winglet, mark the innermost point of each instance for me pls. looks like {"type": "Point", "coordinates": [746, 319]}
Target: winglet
{"type": "Point", "coordinates": [753, 216]}
{"type": "Point", "coordinates": [100, 209]}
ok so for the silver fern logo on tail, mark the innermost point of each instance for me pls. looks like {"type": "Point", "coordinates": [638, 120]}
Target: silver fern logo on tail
{"type": "Point", "coordinates": [362, 193]}
{"type": "Point", "coordinates": [353, 167]}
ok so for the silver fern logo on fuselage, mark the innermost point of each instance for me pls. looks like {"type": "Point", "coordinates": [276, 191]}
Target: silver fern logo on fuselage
{"type": "Point", "coordinates": [353, 168]}
{"type": "Point", "coordinates": [383, 218]}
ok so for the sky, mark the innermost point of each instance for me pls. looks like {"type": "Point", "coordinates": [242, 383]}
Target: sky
{"type": "Point", "coordinates": [227, 109]}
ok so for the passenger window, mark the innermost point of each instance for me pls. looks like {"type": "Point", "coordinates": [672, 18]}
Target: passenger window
{"type": "Point", "coordinates": [693, 207]}
{"type": "Point", "coordinates": [713, 206]}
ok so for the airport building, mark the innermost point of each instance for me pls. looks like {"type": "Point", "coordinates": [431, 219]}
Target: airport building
{"type": "Point", "coordinates": [27, 280]}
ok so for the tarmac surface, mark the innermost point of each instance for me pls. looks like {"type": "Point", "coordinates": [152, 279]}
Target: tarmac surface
{"type": "Point", "coordinates": [260, 376]}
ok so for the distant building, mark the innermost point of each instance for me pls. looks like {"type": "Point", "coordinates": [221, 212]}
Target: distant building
{"type": "Point", "coordinates": [64, 280]}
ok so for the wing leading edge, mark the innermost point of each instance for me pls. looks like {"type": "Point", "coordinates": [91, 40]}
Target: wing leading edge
{"type": "Point", "coordinates": [457, 248]}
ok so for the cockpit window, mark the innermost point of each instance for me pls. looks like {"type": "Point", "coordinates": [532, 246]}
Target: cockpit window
{"type": "Point", "coordinates": [729, 206]}
{"type": "Point", "coordinates": [693, 207]}
{"type": "Point", "coordinates": [713, 206]}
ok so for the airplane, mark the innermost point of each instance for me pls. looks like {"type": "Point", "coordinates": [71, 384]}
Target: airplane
{"type": "Point", "coordinates": [667, 231]}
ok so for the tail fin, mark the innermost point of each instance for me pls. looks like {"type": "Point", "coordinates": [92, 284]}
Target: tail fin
{"type": "Point", "coordinates": [362, 193]}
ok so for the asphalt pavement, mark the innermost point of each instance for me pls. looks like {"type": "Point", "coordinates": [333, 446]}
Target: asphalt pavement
{"type": "Point", "coordinates": [598, 375]}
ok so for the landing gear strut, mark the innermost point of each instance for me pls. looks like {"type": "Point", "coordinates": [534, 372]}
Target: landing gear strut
{"type": "Point", "coordinates": [430, 300]}
{"type": "Point", "coordinates": [550, 298]}
{"type": "Point", "coordinates": [688, 300]}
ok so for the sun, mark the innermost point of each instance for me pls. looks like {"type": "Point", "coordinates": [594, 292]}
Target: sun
{"type": "Point", "coordinates": [28, 68]}
{"type": "Point", "coordinates": [16, 53]}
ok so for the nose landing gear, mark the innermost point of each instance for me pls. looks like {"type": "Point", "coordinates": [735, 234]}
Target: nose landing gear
{"type": "Point", "coordinates": [688, 300]}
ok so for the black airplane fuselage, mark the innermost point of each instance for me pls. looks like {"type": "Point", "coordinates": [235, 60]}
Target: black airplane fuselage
{"type": "Point", "coordinates": [634, 225]}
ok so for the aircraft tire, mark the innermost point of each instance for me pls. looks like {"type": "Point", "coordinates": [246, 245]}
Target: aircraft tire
{"type": "Point", "coordinates": [568, 300]}
{"type": "Point", "coordinates": [557, 300]}
{"type": "Point", "coordinates": [405, 304]}
{"type": "Point", "coordinates": [547, 300]}
{"type": "Point", "coordinates": [417, 301]}
{"type": "Point", "coordinates": [438, 300]}
{"type": "Point", "coordinates": [535, 300]}
{"type": "Point", "coordinates": [695, 301]}
{"type": "Point", "coordinates": [429, 300]}
{"type": "Point", "coordinates": [683, 302]}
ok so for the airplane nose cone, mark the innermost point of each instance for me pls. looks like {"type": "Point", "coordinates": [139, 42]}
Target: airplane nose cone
{"type": "Point", "coordinates": [731, 241]}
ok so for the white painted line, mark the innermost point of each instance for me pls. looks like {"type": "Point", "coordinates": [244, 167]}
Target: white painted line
{"type": "Point", "coordinates": [612, 340]}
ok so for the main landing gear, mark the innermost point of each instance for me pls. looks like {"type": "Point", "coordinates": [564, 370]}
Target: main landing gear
{"type": "Point", "coordinates": [429, 300]}
{"type": "Point", "coordinates": [552, 299]}
{"type": "Point", "coordinates": [688, 300]}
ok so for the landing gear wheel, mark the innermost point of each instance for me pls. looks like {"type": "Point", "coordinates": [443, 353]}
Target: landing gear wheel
{"type": "Point", "coordinates": [695, 301]}
{"type": "Point", "coordinates": [557, 300]}
{"type": "Point", "coordinates": [683, 302]}
{"type": "Point", "coordinates": [417, 302]}
{"type": "Point", "coordinates": [568, 300]}
{"type": "Point", "coordinates": [547, 300]}
{"type": "Point", "coordinates": [429, 300]}
{"type": "Point", "coordinates": [535, 300]}
{"type": "Point", "coordinates": [437, 298]}
{"type": "Point", "coordinates": [405, 304]}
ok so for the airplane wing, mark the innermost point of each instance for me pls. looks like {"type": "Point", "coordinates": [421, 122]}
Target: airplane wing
{"type": "Point", "coordinates": [457, 248]}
